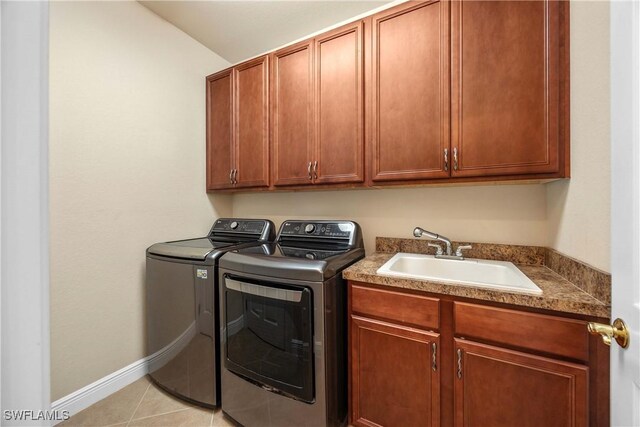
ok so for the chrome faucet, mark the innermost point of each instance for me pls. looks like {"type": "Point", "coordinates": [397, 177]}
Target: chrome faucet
{"type": "Point", "coordinates": [419, 232]}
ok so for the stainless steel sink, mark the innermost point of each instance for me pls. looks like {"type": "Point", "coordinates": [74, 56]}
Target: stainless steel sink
{"type": "Point", "coordinates": [497, 275]}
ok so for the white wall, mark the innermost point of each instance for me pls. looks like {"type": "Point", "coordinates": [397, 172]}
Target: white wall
{"type": "Point", "coordinates": [127, 170]}
{"type": "Point", "coordinates": [499, 214]}
{"type": "Point", "coordinates": [579, 209]}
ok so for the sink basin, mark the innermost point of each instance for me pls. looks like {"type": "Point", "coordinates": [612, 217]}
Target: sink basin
{"type": "Point", "coordinates": [479, 273]}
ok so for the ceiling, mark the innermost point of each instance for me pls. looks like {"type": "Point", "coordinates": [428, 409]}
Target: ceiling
{"type": "Point", "coordinates": [238, 30]}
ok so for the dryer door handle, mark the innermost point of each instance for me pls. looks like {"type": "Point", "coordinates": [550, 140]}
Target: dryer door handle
{"type": "Point", "coordinates": [264, 291]}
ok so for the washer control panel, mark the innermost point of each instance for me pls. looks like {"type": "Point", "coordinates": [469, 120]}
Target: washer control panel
{"type": "Point", "coordinates": [324, 229]}
{"type": "Point", "coordinates": [238, 226]}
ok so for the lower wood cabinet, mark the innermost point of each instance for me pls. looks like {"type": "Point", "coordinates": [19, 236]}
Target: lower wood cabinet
{"type": "Point", "coordinates": [499, 387]}
{"type": "Point", "coordinates": [390, 388]}
{"type": "Point", "coordinates": [428, 360]}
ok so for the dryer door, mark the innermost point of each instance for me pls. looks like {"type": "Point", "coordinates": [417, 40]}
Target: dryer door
{"type": "Point", "coordinates": [269, 335]}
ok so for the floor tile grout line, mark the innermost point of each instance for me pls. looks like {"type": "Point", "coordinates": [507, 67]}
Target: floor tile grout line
{"type": "Point", "coordinates": [162, 413]}
{"type": "Point", "coordinates": [139, 403]}
{"type": "Point", "coordinates": [168, 395]}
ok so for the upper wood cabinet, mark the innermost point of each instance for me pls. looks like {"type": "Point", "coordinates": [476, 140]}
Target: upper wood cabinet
{"type": "Point", "coordinates": [339, 94]}
{"type": "Point", "coordinates": [410, 92]}
{"type": "Point", "coordinates": [426, 91]}
{"type": "Point", "coordinates": [220, 161]}
{"type": "Point", "coordinates": [508, 85]}
{"type": "Point", "coordinates": [317, 110]}
{"type": "Point", "coordinates": [238, 126]}
{"type": "Point", "coordinates": [292, 120]}
{"type": "Point", "coordinates": [251, 125]}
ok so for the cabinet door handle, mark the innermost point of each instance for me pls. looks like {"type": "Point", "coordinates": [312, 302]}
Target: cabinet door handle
{"type": "Point", "coordinates": [235, 176]}
{"type": "Point", "coordinates": [231, 176]}
{"type": "Point", "coordinates": [455, 159]}
{"type": "Point", "coordinates": [459, 363]}
{"type": "Point", "coordinates": [434, 363]}
{"type": "Point", "coordinates": [315, 170]}
{"type": "Point", "coordinates": [309, 170]}
{"type": "Point", "coordinates": [446, 159]}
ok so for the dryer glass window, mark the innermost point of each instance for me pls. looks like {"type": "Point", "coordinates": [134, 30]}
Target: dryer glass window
{"type": "Point", "coordinates": [269, 335]}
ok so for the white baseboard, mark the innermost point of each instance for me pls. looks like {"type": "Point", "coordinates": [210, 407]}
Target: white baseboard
{"type": "Point", "coordinates": [98, 390]}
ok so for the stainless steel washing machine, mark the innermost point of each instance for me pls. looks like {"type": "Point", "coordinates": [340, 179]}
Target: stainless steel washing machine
{"type": "Point", "coordinates": [183, 311]}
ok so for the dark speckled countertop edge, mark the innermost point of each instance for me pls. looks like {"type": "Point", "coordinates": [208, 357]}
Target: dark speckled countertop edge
{"type": "Point", "coordinates": [558, 293]}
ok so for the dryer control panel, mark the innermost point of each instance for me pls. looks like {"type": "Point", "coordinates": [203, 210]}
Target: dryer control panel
{"type": "Point", "coordinates": [338, 230]}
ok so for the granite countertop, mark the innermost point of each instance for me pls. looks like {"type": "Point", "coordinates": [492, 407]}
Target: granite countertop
{"type": "Point", "coordinates": [558, 293]}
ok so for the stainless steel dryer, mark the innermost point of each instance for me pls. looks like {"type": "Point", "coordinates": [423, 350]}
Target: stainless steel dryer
{"type": "Point", "coordinates": [182, 307]}
{"type": "Point", "coordinates": [284, 326]}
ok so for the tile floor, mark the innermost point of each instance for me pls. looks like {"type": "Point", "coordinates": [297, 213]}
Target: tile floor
{"type": "Point", "coordinates": [142, 403]}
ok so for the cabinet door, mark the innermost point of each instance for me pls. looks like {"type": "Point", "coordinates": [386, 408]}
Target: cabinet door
{"type": "Point", "coordinates": [252, 123]}
{"type": "Point", "coordinates": [410, 92]}
{"type": "Point", "coordinates": [498, 387]}
{"type": "Point", "coordinates": [505, 87]}
{"type": "Point", "coordinates": [395, 375]}
{"type": "Point", "coordinates": [340, 105]}
{"type": "Point", "coordinates": [292, 114]}
{"type": "Point", "coordinates": [219, 130]}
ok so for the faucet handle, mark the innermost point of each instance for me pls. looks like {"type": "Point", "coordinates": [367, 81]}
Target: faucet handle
{"type": "Point", "coordinates": [437, 246]}
{"type": "Point", "coordinates": [462, 248]}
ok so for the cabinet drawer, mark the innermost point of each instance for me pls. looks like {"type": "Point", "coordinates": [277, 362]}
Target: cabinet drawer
{"type": "Point", "coordinates": [538, 332]}
{"type": "Point", "coordinates": [409, 309]}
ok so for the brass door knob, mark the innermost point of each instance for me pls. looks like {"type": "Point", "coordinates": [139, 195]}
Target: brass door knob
{"type": "Point", "coordinates": [617, 331]}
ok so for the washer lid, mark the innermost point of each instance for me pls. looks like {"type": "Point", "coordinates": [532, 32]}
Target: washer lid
{"type": "Point", "coordinates": [190, 249]}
